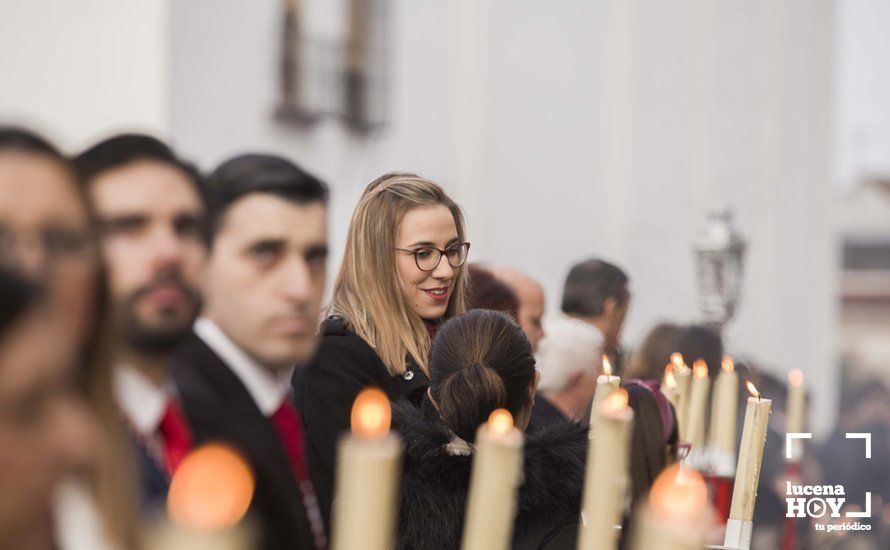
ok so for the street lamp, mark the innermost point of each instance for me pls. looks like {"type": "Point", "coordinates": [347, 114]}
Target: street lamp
{"type": "Point", "coordinates": [720, 256]}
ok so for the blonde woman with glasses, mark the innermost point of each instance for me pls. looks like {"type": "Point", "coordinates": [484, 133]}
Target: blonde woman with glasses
{"type": "Point", "coordinates": [403, 273]}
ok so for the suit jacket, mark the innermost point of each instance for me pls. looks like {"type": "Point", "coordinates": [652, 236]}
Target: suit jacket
{"type": "Point", "coordinates": [154, 481]}
{"type": "Point", "coordinates": [544, 413]}
{"type": "Point", "coordinates": [219, 408]}
{"type": "Point", "coordinates": [325, 390]}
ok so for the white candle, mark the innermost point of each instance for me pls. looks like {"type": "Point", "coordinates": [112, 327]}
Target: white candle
{"type": "Point", "coordinates": [494, 482]}
{"type": "Point", "coordinates": [201, 511]}
{"type": "Point", "coordinates": [606, 478]}
{"type": "Point", "coordinates": [605, 385]}
{"type": "Point", "coordinates": [744, 496]}
{"type": "Point", "coordinates": [676, 515]}
{"type": "Point", "coordinates": [697, 406]}
{"type": "Point", "coordinates": [367, 477]}
{"type": "Point", "coordinates": [724, 407]}
{"type": "Point", "coordinates": [682, 375]}
{"type": "Point", "coordinates": [795, 413]}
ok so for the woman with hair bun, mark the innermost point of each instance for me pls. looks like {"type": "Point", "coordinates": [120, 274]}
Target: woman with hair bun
{"type": "Point", "coordinates": [481, 361]}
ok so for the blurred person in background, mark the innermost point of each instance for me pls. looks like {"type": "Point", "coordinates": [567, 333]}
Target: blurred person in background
{"type": "Point", "coordinates": [46, 431]}
{"type": "Point", "coordinates": [700, 342]}
{"type": "Point", "coordinates": [485, 291]}
{"type": "Point", "coordinates": [150, 212]}
{"type": "Point", "coordinates": [596, 292]}
{"type": "Point", "coordinates": [531, 302]}
{"type": "Point", "coordinates": [653, 444]}
{"type": "Point", "coordinates": [568, 360]}
{"type": "Point", "coordinates": [648, 361]}
{"type": "Point", "coordinates": [263, 287]}
{"type": "Point", "coordinates": [403, 274]}
{"type": "Point", "coordinates": [46, 231]}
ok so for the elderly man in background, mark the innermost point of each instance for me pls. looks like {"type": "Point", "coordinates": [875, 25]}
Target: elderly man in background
{"type": "Point", "coordinates": [568, 360]}
{"type": "Point", "coordinates": [531, 302]}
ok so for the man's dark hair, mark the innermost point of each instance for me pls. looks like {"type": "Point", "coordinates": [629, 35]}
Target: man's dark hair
{"type": "Point", "coordinates": [257, 173]}
{"type": "Point", "coordinates": [124, 149]}
{"type": "Point", "coordinates": [487, 292]}
{"type": "Point", "coordinates": [589, 284]}
{"type": "Point", "coordinates": [16, 138]}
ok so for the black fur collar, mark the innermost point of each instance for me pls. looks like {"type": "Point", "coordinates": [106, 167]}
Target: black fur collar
{"type": "Point", "coordinates": [435, 483]}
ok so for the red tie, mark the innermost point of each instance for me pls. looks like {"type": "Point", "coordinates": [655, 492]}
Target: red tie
{"type": "Point", "coordinates": [290, 431]}
{"type": "Point", "coordinates": [176, 435]}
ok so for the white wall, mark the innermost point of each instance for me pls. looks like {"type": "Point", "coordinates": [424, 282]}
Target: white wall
{"type": "Point", "coordinates": [79, 70]}
{"type": "Point", "coordinates": [863, 86]}
{"type": "Point", "coordinates": [577, 128]}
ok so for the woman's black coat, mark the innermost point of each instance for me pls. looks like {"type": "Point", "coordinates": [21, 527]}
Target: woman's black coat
{"type": "Point", "coordinates": [435, 485]}
{"type": "Point", "coordinates": [325, 390]}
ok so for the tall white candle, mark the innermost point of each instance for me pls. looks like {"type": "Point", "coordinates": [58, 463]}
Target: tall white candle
{"type": "Point", "coordinates": [724, 407]}
{"type": "Point", "coordinates": [606, 478]}
{"type": "Point", "coordinates": [606, 383]}
{"type": "Point", "coordinates": [201, 511]}
{"type": "Point", "coordinates": [795, 413]}
{"type": "Point", "coordinates": [677, 514]}
{"type": "Point", "coordinates": [367, 477]}
{"type": "Point", "coordinates": [698, 402]}
{"type": "Point", "coordinates": [495, 479]}
{"type": "Point", "coordinates": [739, 526]}
{"type": "Point", "coordinates": [683, 376]}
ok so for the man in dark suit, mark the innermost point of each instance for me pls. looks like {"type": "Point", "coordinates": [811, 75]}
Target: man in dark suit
{"type": "Point", "coordinates": [151, 214]}
{"type": "Point", "coordinates": [263, 287]}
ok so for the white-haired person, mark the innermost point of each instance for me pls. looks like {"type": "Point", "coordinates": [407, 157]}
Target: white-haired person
{"type": "Point", "coordinates": [568, 360]}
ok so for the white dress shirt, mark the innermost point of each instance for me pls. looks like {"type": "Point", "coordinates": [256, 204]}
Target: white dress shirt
{"type": "Point", "coordinates": [142, 401]}
{"type": "Point", "coordinates": [267, 389]}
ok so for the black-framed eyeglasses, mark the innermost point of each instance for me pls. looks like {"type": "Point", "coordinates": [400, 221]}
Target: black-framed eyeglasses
{"type": "Point", "coordinates": [427, 258]}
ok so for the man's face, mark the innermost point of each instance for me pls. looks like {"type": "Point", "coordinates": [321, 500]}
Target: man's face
{"type": "Point", "coordinates": [266, 275]}
{"type": "Point", "coordinates": [615, 313]}
{"type": "Point", "coordinates": [531, 312]}
{"type": "Point", "coordinates": [151, 217]}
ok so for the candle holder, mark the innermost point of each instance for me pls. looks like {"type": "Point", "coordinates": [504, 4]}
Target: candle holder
{"type": "Point", "coordinates": [720, 255]}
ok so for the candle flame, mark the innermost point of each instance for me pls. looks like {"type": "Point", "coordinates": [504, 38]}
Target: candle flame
{"type": "Point", "coordinates": [197, 499]}
{"type": "Point", "coordinates": [371, 414]}
{"type": "Point", "coordinates": [679, 494]}
{"type": "Point", "coordinates": [795, 378]}
{"type": "Point", "coordinates": [728, 364]}
{"type": "Point", "coordinates": [607, 365]}
{"type": "Point", "coordinates": [700, 369]}
{"type": "Point", "coordinates": [615, 402]}
{"type": "Point", "coordinates": [677, 360]}
{"type": "Point", "coordinates": [500, 422]}
{"type": "Point", "coordinates": [752, 389]}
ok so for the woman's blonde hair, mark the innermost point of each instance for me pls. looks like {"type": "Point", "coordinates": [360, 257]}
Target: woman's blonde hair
{"type": "Point", "coordinates": [367, 292]}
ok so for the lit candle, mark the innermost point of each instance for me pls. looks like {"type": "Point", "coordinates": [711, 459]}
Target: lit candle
{"type": "Point", "coordinates": [496, 476]}
{"type": "Point", "coordinates": [606, 383]}
{"type": "Point", "coordinates": [669, 386]}
{"type": "Point", "coordinates": [739, 525]}
{"type": "Point", "coordinates": [682, 375]}
{"type": "Point", "coordinates": [367, 477]}
{"type": "Point", "coordinates": [201, 511]}
{"type": "Point", "coordinates": [724, 407]}
{"type": "Point", "coordinates": [794, 421]}
{"type": "Point", "coordinates": [698, 403]}
{"type": "Point", "coordinates": [677, 515]}
{"type": "Point", "coordinates": [605, 485]}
